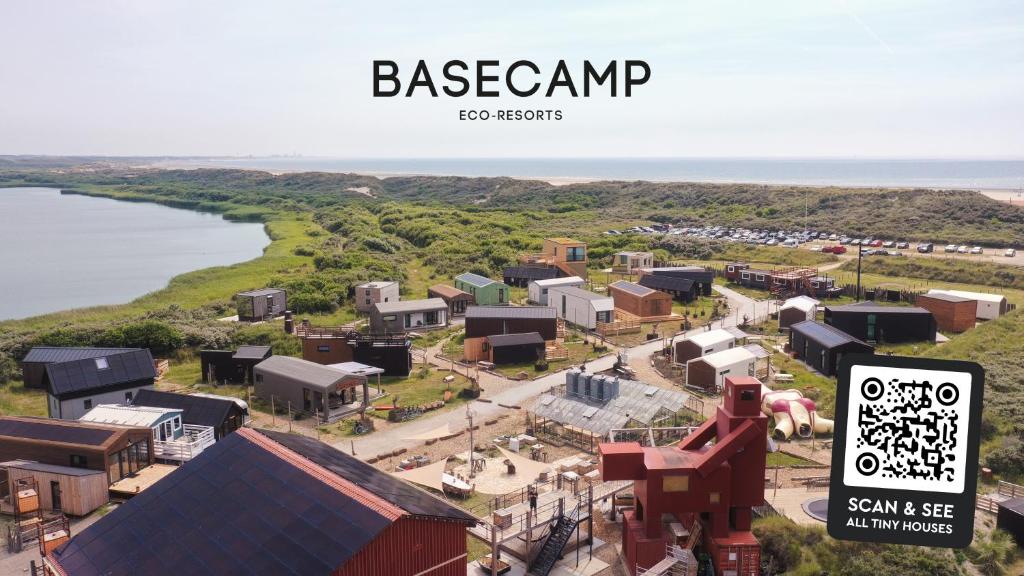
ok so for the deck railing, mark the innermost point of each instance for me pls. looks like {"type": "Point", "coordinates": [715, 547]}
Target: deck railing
{"type": "Point", "coordinates": [195, 440]}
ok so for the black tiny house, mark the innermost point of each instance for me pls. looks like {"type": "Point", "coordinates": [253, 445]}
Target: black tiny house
{"type": "Point", "coordinates": [1010, 518]}
{"type": "Point", "coordinates": [224, 415]}
{"type": "Point", "coordinates": [875, 323]}
{"type": "Point", "coordinates": [515, 348]}
{"type": "Point", "coordinates": [226, 367]}
{"type": "Point", "coordinates": [33, 365]}
{"type": "Point", "coordinates": [521, 276]}
{"type": "Point", "coordinates": [259, 305]}
{"type": "Point", "coordinates": [701, 277]}
{"type": "Point", "coordinates": [821, 346]}
{"type": "Point", "coordinates": [681, 289]}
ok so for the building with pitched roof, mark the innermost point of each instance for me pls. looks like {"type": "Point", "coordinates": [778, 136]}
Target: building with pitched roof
{"type": "Point", "coordinates": [702, 277]}
{"type": "Point", "coordinates": [408, 316]}
{"type": "Point", "coordinates": [224, 415]}
{"type": "Point", "coordinates": [990, 306]}
{"type": "Point", "coordinates": [581, 307]}
{"type": "Point", "coordinates": [681, 289]}
{"type": "Point", "coordinates": [537, 291]}
{"type": "Point", "coordinates": [75, 386]}
{"type": "Point", "coordinates": [797, 309]}
{"type": "Point", "coordinates": [456, 299]}
{"type": "Point", "coordinates": [485, 321]}
{"type": "Point", "coordinates": [263, 502]}
{"type": "Point", "coordinates": [485, 292]}
{"type": "Point", "coordinates": [821, 346]}
{"type": "Point", "coordinates": [952, 313]}
{"type": "Point", "coordinates": [33, 365]}
{"type": "Point", "coordinates": [321, 391]}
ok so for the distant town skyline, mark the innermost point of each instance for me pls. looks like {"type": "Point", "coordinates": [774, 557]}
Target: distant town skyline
{"type": "Point", "coordinates": [793, 79]}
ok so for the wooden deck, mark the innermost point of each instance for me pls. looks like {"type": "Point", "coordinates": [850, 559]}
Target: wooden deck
{"type": "Point", "coordinates": [128, 487]}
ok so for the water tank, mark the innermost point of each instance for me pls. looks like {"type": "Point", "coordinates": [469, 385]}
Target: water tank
{"type": "Point", "coordinates": [611, 388]}
{"type": "Point", "coordinates": [585, 386]}
{"type": "Point", "coordinates": [572, 382]}
{"type": "Point", "coordinates": [597, 387]}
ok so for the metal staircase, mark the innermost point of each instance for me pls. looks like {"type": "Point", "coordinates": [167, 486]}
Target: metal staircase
{"type": "Point", "coordinates": [550, 553]}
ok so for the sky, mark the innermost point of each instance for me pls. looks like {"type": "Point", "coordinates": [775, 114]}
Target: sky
{"type": "Point", "coordinates": [730, 78]}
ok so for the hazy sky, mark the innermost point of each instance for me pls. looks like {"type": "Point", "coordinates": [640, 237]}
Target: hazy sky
{"type": "Point", "coordinates": [927, 78]}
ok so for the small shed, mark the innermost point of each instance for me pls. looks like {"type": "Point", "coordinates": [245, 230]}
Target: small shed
{"type": "Point", "coordinates": [486, 292]}
{"type": "Point", "coordinates": [709, 372]}
{"type": "Point", "coordinates": [581, 307]}
{"type": "Point", "coordinates": [370, 293]}
{"type": "Point", "coordinates": [952, 313]}
{"type": "Point", "coordinates": [681, 289]}
{"type": "Point", "coordinates": [456, 299]}
{"type": "Point", "coordinates": [1010, 517]}
{"type": "Point", "coordinates": [309, 387]}
{"type": "Point", "coordinates": [226, 367]}
{"type": "Point", "coordinates": [640, 300]}
{"type": "Point", "coordinates": [990, 306]}
{"type": "Point", "coordinates": [73, 491]}
{"type": "Point", "coordinates": [223, 414]}
{"type": "Point", "coordinates": [33, 365]}
{"type": "Point", "coordinates": [515, 348]}
{"type": "Point", "coordinates": [408, 315]}
{"type": "Point", "coordinates": [521, 276]}
{"type": "Point", "coordinates": [877, 323]}
{"type": "Point", "coordinates": [821, 346]}
{"type": "Point", "coordinates": [702, 344]}
{"type": "Point", "coordinates": [260, 305]}
{"type": "Point", "coordinates": [631, 262]}
{"type": "Point", "coordinates": [797, 309]}
{"type": "Point", "coordinates": [537, 291]}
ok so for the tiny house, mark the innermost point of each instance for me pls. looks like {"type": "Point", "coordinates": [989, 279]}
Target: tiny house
{"type": "Point", "coordinates": [261, 305]}
{"type": "Point", "coordinates": [754, 278]}
{"type": "Point", "coordinates": [456, 299]}
{"type": "Point", "coordinates": [370, 293]}
{"type": "Point", "coordinates": [702, 344]}
{"type": "Point", "coordinates": [538, 289]}
{"type": "Point", "coordinates": [227, 367]}
{"type": "Point", "coordinates": [514, 348]}
{"type": "Point", "coordinates": [990, 306]}
{"type": "Point", "coordinates": [485, 321]}
{"type": "Point", "coordinates": [485, 292]}
{"type": "Point", "coordinates": [734, 269]}
{"type": "Point", "coordinates": [408, 315]}
{"type": "Point", "coordinates": [709, 372]}
{"type": "Point", "coordinates": [702, 278]}
{"type": "Point", "coordinates": [221, 413]}
{"type": "Point", "coordinates": [173, 440]}
{"type": "Point", "coordinates": [640, 300]}
{"type": "Point", "coordinates": [73, 491]}
{"type": "Point", "coordinates": [75, 386]}
{"type": "Point", "coordinates": [952, 313]}
{"type": "Point", "coordinates": [680, 289]}
{"type": "Point", "coordinates": [821, 346]}
{"type": "Point", "coordinates": [310, 388]}
{"type": "Point", "coordinates": [581, 307]}
{"type": "Point", "coordinates": [797, 309]}
{"type": "Point", "coordinates": [521, 276]}
{"type": "Point", "coordinates": [33, 365]}
{"type": "Point", "coordinates": [631, 262]}
{"type": "Point", "coordinates": [875, 323]}
{"type": "Point", "coordinates": [564, 254]}
{"type": "Point", "coordinates": [392, 353]}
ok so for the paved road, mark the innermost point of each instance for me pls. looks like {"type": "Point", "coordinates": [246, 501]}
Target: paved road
{"type": "Point", "coordinates": [519, 393]}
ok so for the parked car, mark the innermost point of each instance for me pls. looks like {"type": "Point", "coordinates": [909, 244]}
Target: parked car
{"type": "Point", "coordinates": [875, 244]}
{"type": "Point", "coordinates": [903, 245]}
{"type": "Point", "coordinates": [845, 240]}
{"type": "Point", "coordinates": [888, 244]}
{"type": "Point", "coordinates": [963, 250]}
{"type": "Point", "coordinates": [1010, 253]}
{"type": "Point", "coordinates": [950, 248]}
{"type": "Point", "coordinates": [839, 249]}
{"type": "Point", "coordinates": [977, 250]}
{"type": "Point", "coordinates": [925, 248]}
{"type": "Point", "coordinates": [818, 248]}
{"type": "Point", "coordinates": [833, 237]}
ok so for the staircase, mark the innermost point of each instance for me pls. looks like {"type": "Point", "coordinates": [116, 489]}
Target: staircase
{"type": "Point", "coordinates": [553, 546]}
{"type": "Point", "coordinates": [560, 329]}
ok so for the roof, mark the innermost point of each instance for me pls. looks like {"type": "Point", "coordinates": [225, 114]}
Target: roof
{"type": "Point", "coordinates": [945, 297]}
{"type": "Point", "coordinates": [261, 292]}
{"type": "Point", "coordinates": [89, 375]}
{"type": "Point", "coordinates": [872, 308]}
{"type": "Point", "coordinates": [254, 503]}
{"type": "Point", "coordinates": [475, 279]}
{"type": "Point", "coordinates": [356, 368]}
{"type": "Point", "coordinates": [580, 293]}
{"type": "Point", "coordinates": [47, 354]}
{"type": "Point", "coordinates": [657, 269]}
{"type": "Point", "coordinates": [826, 335]}
{"type": "Point", "coordinates": [804, 303]}
{"type": "Point", "coordinates": [296, 368]}
{"type": "Point", "coordinates": [1015, 505]}
{"type": "Point", "coordinates": [757, 350]}
{"type": "Point", "coordinates": [737, 332]}
{"type": "Point", "coordinates": [632, 288]}
{"type": "Point", "coordinates": [122, 415]}
{"type": "Point", "coordinates": [633, 253]}
{"type": "Point", "coordinates": [666, 283]}
{"type": "Point", "coordinates": [563, 281]}
{"type": "Point", "coordinates": [448, 291]}
{"type": "Point", "coordinates": [712, 337]}
{"type": "Point", "coordinates": [251, 352]}
{"type": "Point", "coordinates": [52, 430]}
{"type": "Point", "coordinates": [530, 272]}
{"type": "Point", "coordinates": [411, 306]}
{"type": "Point", "coordinates": [981, 296]}
{"type": "Point", "coordinates": [726, 357]}
{"type": "Point", "coordinates": [376, 284]}
{"type": "Point", "coordinates": [50, 468]}
{"type": "Point", "coordinates": [528, 312]}
{"type": "Point", "coordinates": [563, 240]}
{"type": "Point", "coordinates": [198, 410]}
{"type": "Point", "coordinates": [523, 339]}
{"type": "Point", "coordinates": [636, 400]}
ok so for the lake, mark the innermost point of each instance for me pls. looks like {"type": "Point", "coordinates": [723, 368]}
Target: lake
{"type": "Point", "coordinates": [69, 251]}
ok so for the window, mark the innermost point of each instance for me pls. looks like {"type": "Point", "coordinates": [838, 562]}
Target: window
{"type": "Point", "coordinates": [177, 422]}
{"type": "Point", "coordinates": [79, 461]}
{"type": "Point", "coordinates": [323, 348]}
{"type": "Point", "coordinates": [367, 301]}
{"type": "Point", "coordinates": [101, 364]}
{"type": "Point", "coordinates": [576, 254]}
{"type": "Point", "coordinates": [544, 291]}
{"type": "Point", "coordinates": [389, 318]}
{"type": "Point", "coordinates": [408, 320]}
{"type": "Point", "coordinates": [501, 295]}
{"type": "Point", "coordinates": [675, 484]}
{"type": "Point", "coordinates": [87, 403]}
{"type": "Point", "coordinates": [430, 317]}
{"type": "Point", "coordinates": [713, 498]}
{"type": "Point", "coordinates": [128, 397]}
{"type": "Point", "coordinates": [745, 275]}
{"type": "Point", "coordinates": [759, 277]}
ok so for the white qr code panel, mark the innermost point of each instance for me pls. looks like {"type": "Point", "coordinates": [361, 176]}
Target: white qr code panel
{"type": "Point", "coordinates": [907, 429]}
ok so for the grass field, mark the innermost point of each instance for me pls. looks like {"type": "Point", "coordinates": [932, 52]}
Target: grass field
{"type": "Point", "coordinates": [421, 387]}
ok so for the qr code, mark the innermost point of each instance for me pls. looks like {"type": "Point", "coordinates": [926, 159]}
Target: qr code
{"type": "Point", "coordinates": [907, 429]}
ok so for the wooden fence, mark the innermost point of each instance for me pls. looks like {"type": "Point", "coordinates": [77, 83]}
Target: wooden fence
{"type": "Point", "coordinates": [624, 323]}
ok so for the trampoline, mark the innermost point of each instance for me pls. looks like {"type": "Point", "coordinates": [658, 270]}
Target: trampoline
{"type": "Point", "coordinates": [817, 509]}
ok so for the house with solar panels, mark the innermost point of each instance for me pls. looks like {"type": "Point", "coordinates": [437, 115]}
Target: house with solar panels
{"type": "Point", "coordinates": [221, 413]}
{"type": "Point", "coordinates": [117, 452]}
{"type": "Point", "coordinates": [680, 289]}
{"type": "Point", "coordinates": [821, 346]}
{"type": "Point", "coordinates": [33, 365]}
{"type": "Point", "coordinates": [74, 387]}
{"type": "Point", "coordinates": [485, 292]}
{"type": "Point", "coordinates": [263, 502]}
{"type": "Point", "coordinates": [483, 322]}
{"type": "Point", "coordinates": [640, 301]}
{"type": "Point", "coordinates": [702, 278]}
{"type": "Point", "coordinates": [521, 276]}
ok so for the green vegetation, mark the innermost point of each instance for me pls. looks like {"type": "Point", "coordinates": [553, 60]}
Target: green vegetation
{"type": "Point", "coordinates": [424, 385]}
{"type": "Point", "coordinates": [796, 550]}
{"type": "Point", "coordinates": [958, 270]}
{"type": "Point", "coordinates": [814, 386]}
{"type": "Point", "coordinates": [993, 552]}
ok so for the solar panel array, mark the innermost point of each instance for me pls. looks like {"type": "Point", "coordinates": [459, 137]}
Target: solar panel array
{"type": "Point", "coordinates": [635, 289]}
{"type": "Point", "coordinates": [86, 375]}
{"type": "Point", "coordinates": [50, 431]}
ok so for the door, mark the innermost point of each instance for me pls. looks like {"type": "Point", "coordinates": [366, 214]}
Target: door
{"type": "Point", "coordinates": [307, 400]}
{"type": "Point", "coordinates": [55, 496]}
{"type": "Point", "coordinates": [871, 326]}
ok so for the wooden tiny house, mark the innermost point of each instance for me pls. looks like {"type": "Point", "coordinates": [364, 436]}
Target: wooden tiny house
{"type": "Point", "coordinates": [952, 313]}
{"type": "Point", "coordinates": [456, 299]}
{"type": "Point", "coordinates": [73, 491]}
{"type": "Point", "coordinates": [261, 305]}
{"type": "Point", "coordinates": [564, 254]}
{"type": "Point", "coordinates": [647, 303]}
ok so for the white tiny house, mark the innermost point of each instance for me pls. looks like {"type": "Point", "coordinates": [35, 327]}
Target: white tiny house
{"type": "Point", "coordinates": [537, 292]}
{"type": "Point", "coordinates": [990, 306]}
{"type": "Point", "coordinates": [581, 307]}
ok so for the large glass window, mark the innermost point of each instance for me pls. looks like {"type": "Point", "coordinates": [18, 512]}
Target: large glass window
{"type": "Point", "coordinates": [576, 254]}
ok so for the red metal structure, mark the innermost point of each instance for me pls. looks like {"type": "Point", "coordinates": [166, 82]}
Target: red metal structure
{"type": "Point", "coordinates": [711, 487]}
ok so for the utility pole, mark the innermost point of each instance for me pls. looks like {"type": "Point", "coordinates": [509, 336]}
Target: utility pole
{"type": "Point", "coordinates": [472, 464]}
{"type": "Point", "coordinates": [860, 255]}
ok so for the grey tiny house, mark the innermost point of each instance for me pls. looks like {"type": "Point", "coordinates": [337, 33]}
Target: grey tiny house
{"type": "Point", "coordinates": [260, 305]}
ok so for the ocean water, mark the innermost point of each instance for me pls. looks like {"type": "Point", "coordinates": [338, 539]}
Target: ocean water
{"type": "Point", "coordinates": [958, 174]}
{"type": "Point", "coordinates": [66, 251]}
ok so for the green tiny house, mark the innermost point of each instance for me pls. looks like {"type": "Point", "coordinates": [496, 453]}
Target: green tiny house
{"type": "Point", "coordinates": [485, 291]}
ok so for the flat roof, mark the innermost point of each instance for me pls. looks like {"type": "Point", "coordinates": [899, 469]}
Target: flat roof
{"type": "Point", "coordinates": [121, 415]}
{"type": "Point", "coordinates": [563, 281]}
{"type": "Point", "coordinates": [872, 308]}
{"type": "Point", "coordinates": [448, 291]}
{"type": "Point", "coordinates": [425, 304]}
{"type": "Point", "coordinates": [635, 289]}
{"type": "Point", "coordinates": [563, 240]}
{"type": "Point", "coordinates": [34, 466]}
{"type": "Point", "coordinates": [982, 296]}
{"type": "Point", "coordinates": [522, 339]}
{"type": "Point", "coordinates": [377, 284]}
{"type": "Point", "coordinates": [357, 368]}
{"type": "Point", "coordinates": [261, 292]}
{"type": "Point", "coordinates": [712, 337]}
